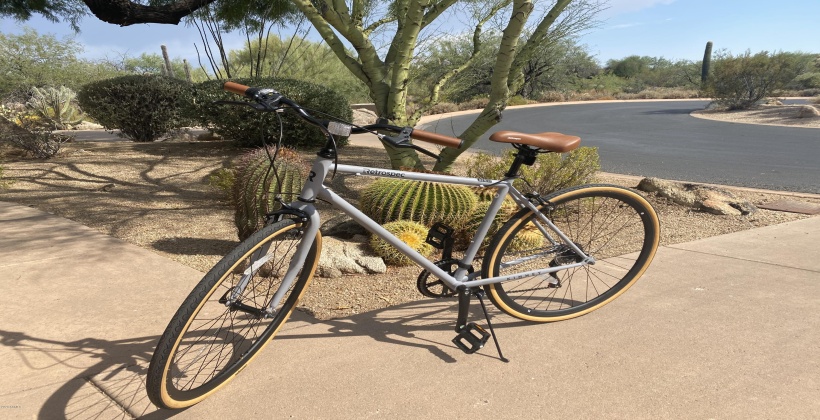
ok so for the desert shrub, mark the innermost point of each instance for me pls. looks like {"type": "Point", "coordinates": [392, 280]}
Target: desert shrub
{"type": "Point", "coordinates": [477, 103]}
{"type": "Point", "coordinates": [806, 81]}
{"type": "Point", "coordinates": [660, 93]}
{"type": "Point", "coordinates": [251, 128]}
{"type": "Point", "coordinates": [413, 234]}
{"type": "Point", "coordinates": [551, 96]}
{"type": "Point", "coordinates": [26, 133]}
{"type": "Point", "coordinates": [144, 108]}
{"type": "Point", "coordinates": [443, 108]}
{"type": "Point", "coordinates": [55, 106]}
{"type": "Point", "coordinates": [551, 171]}
{"type": "Point", "coordinates": [739, 82]}
{"type": "Point", "coordinates": [3, 183]}
{"type": "Point", "coordinates": [517, 100]}
{"type": "Point", "coordinates": [222, 180]}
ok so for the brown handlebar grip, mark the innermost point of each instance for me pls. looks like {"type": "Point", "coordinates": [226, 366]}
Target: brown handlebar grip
{"type": "Point", "coordinates": [436, 138]}
{"type": "Point", "coordinates": [235, 88]}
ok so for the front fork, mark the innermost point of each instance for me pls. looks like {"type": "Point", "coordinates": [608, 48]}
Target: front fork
{"type": "Point", "coordinates": [307, 215]}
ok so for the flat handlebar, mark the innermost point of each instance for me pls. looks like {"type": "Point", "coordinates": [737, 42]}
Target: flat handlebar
{"type": "Point", "coordinates": [416, 134]}
{"type": "Point", "coordinates": [236, 88]}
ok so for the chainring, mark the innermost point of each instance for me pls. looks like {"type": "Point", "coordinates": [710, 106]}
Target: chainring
{"type": "Point", "coordinates": [432, 286]}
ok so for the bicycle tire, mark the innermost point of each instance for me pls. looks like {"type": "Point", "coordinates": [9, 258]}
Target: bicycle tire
{"type": "Point", "coordinates": [208, 342]}
{"type": "Point", "coordinates": [614, 225]}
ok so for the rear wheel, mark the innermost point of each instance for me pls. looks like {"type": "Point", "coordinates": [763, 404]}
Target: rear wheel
{"type": "Point", "coordinates": [614, 225]}
{"type": "Point", "coordinates": [218, 329]}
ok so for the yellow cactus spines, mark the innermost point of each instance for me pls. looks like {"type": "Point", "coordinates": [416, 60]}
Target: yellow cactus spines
{"type": "Point", "coordinates": [412, 233]}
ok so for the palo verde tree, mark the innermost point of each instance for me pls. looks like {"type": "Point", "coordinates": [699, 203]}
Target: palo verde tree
{"type": "Point", "coordinates": [400, 25]}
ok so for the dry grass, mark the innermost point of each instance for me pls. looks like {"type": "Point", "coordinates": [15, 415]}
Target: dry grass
{"type": "Point", "coordinates": [156, 196]}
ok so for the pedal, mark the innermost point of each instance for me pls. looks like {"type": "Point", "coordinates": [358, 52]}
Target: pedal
{"type": "Point", "coordinates": [439, 235]}
{"type": "Point", "coordinates": [471, 338]}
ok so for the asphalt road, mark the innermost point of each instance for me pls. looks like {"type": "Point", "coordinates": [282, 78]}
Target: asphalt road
{"type": "Point", "coordinates": [661, 139]}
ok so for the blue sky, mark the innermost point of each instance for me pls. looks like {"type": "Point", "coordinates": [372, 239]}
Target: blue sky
{"type": "Point", "coordinates": [674, 29]}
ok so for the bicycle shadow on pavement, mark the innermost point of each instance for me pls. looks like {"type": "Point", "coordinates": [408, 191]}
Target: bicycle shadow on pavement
{"type": "Point", "coordinates": [111, 378]}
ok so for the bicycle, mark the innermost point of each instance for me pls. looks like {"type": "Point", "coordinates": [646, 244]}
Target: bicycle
{"type": "Point", "coordinates": [591, 244]}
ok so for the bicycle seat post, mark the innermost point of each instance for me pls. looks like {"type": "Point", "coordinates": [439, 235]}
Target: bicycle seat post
{"type": "Point", "coordinates": [526, 156]}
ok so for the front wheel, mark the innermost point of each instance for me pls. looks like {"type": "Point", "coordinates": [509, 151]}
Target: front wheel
{"type": "Point", "coordinates": [228, 317]}
{"type": "Point", "coordinates": [614, 225]}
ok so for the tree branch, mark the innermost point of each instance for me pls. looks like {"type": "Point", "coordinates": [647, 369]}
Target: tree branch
{"type": "Point", "coordinates": [126, 12]}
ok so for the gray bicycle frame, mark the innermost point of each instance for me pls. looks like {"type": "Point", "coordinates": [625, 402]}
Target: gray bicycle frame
{"type": "Point", "coordinates": [315, 189]}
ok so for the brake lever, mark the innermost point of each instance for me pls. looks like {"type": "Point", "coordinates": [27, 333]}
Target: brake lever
{"type": "Point", "coordinates": [402, 140]}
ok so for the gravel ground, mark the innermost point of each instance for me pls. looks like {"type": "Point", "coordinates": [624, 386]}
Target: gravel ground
{"type": "Point", "coordinates": [783, 115]}
{"type": "Point", "coordinates": [156, 196]}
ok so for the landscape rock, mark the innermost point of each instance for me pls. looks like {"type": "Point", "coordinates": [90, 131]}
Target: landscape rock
{"type": "Point", "coordinates": [86, 125]}
{"type": "Point", "coordinates": [347, 257]}
{"type": "Point", "coordinates": [208, 136]}
{"type": "Point", "coordinates": [807, 111]}
{"type": "Point", "coordinates": [364, 116]}
{"type": "Point", "coordinates": [699, 197]}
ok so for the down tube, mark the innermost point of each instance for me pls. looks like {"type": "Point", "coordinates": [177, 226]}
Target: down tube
{"type": "Point", "coordinates": [381, 232]}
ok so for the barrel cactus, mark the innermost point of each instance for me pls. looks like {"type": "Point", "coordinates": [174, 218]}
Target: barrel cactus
{"type": "Point", "coordinates": [528, 238]}
{"type": "Point", "coordinates": [257, 186]}
{"type": "Point", "coordinates": [465, 234]}
{"type": "Point", "coordinates": [388, 200]}
{"type": "Point", "coordinates": [414, 234]}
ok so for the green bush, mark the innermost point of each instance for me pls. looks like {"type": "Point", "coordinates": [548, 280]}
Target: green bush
{"type": "Point", "coordinates": [144, 108]}
{"type": "Point", "coordinates": [245, 125]}
{"type": "Point", "coordinates": [739, 82]}
{"type": "Point", "coordinates": [551, 171]}
{"type": "Point", "coordinates": [806, 81]}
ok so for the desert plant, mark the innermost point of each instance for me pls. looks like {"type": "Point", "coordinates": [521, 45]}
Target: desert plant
{"type": "Point", "coordinates": [517, 100]}
{"type": "Point", "coordinates": [476, 103]}
{"type": "Point", "coordinates": [551, 171]}
{"type": "Point", "coordinates": [223, 180]}
{"type": "Point", "coordinates": [466, 232]}
{"type": "Point", "coordinates": [707, 63]}
{"type": "Point", "coordinates": [413, 234]}
{"type": "Point", "coordinates": [3, 182]}
{"type": "Point", "coordinates": [258, 186]}
{"type": "Point", "coordinates": [25, 132]}
{"type": "Point", "coordinates": [443, 108]}
{"type": "Point", "coordinates": [57, 107]}
{"type": "Point", "coordinates": [387, 200]}
{"type": "Point", "coordinates": [143, 108]}
{"type": "Point", "coordinates": [245, 126]}
{"type": "Point", "coordinates": [739, 82]}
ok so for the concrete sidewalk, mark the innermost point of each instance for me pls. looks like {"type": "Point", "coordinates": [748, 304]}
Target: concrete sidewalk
{"type": "Point", "coordinates": [726, 327]}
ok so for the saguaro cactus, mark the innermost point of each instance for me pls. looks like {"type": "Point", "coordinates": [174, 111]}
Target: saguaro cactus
{"type": "Point", "coordinates": [168, 69]}
{"type": "Point", "coordinates": [707, 62]}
